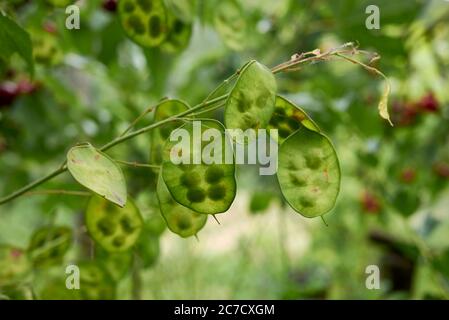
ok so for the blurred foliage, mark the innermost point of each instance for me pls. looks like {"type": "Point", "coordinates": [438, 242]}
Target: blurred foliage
{"type": "Point", "coordinates": [89, 84]}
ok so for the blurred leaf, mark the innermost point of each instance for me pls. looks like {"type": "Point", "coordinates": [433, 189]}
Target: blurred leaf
{"type": "Point", "coordinates": [14, 39]}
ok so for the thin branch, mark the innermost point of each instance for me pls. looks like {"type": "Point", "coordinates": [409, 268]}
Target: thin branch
{"type": "Point", "coordinates": [137, 164]}
{"type": "Point", "coordinates": [63, 192]}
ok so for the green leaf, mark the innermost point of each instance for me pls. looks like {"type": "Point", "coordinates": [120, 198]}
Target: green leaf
{"type": "Point", "coordinates": [14, 265]}
{"type": "Point", "coordinates": [180, 220]}
{"type": "Point", "coordinates": [383, 104]}
{"type": "Point", "coordinates": [251, 102]}
{"type": "Point", "coordinates": [48, 245]}
{"type": "Point", "coordinates": [159, 135]}
{"type": "Point", "coordinates": [204, 188]}
{"type": "Point", "coordinates": [97, 172]}
{"type": "Point", "coordinates": [14, 39]}
{"type": "Point", "coordinates": [288, 117]}
{"type": "Point", "coordinates": [309, 172]}
{"type": "Point", "coordinates": [231, 24]}
{"type": "Point", "coordinates": [115, 229]}
{"type": "Point", "coordinates": [144, 21]}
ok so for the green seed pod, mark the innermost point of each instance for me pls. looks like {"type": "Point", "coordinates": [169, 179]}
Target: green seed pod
{"type": "Point", "coordinates": [179, 35]}
{"type": "Point", "coordinates": [309, 172]}
{"type": "Point", "coordinates": [48, 245]}
{"type": "Point", "coordinates": [98, 172]}
{"type": "Point", "coordinates": [230, 24]}
{"type": "Point", "coordinates": [164, 110]}
{"type": "Point", "coordinates": [117, 265]}
{"type": "Point", "coordinates": [115, 229]}
{"type": "Point", "coordinates": [14, 265]}
{"type": "Point", "coordinates": [250, 104]}
{"type": "Point", "coordinates": [46, 48]}
{"type": "Point", "coordinates": [95, 283]}
{"type": "Point", "coordinates": [148, 249]}
{"type": "Point", "coordinates": [204, 188]}
{"type": "Point", "coordinates": [55, 289]}
{"type": "Point", "coordinates": [180, 220]}
{"type": "Point", "coordinates": [144, 21]}
{"type": "Point", "coordinates": [182, 9]}
{"type": "Point", "coordinates": [288, 117]}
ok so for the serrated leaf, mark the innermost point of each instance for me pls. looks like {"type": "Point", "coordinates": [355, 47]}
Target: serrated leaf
{"type": "Point", "coordinates": [309, 172]}
{"type": "Point", "coordinates": [97, 172]}
{"type": "Point", "coordinates": [14, 39]}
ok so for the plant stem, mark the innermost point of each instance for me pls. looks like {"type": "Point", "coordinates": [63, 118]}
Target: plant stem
{"type": "Point", "coordinates": [109, 145]}
{"type": "Point", "coordinates": [136, 164]}
{"type": "Point", "coordinates": [289, 65]}
{"type": "Point", "coordinates": [63, 192]}
{"type": "Point", "coordinates": [32, 185]}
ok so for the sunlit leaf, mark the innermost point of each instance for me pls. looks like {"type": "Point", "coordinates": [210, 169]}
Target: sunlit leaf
{"type": "Point", "coordinates": [97, 172]}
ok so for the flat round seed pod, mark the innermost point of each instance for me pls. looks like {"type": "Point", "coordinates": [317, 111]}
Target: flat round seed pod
{"type": "Point", "coordinates": [159, 135]}
{"type": "Point", "coordinates": [117, 265]}
{"type": "Point", "coordinates": [97, 172]}
{"type": "Point", "coordinates": [55, 289]}
{"type": "Point", "coordinates": [309, 172]}
{"type": "Point", "coordinates": [46, 48]}
{"type": "Point", "coordinates": [204, 188]}
{"type": "Point", "coordinates": [288, 117]}
{"type": "Point", "coordinates": [115, 229]}
{"type": "Point", "coordinates": [48, 245]}
{"type": "Point", "coordinates": [144, 21]}
{"type": "Point", "coordinates": [182, 9]}
{"type": "Point", "coordinates": [180, 220]}
{"type": "Point", "coordinates": [230, 24]}
{"type": "Point", "coordinates": [95, 283]}
{"type": "Point", "coordinates": [179, 35]}
{"type": "Point", "coordinates": [14, 265]}
{"type": "Point", "coordinates": [251, 102]}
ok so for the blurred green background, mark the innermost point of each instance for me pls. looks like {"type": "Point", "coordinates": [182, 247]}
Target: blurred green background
{"type": "Point", "coordinates": [89, 84]}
